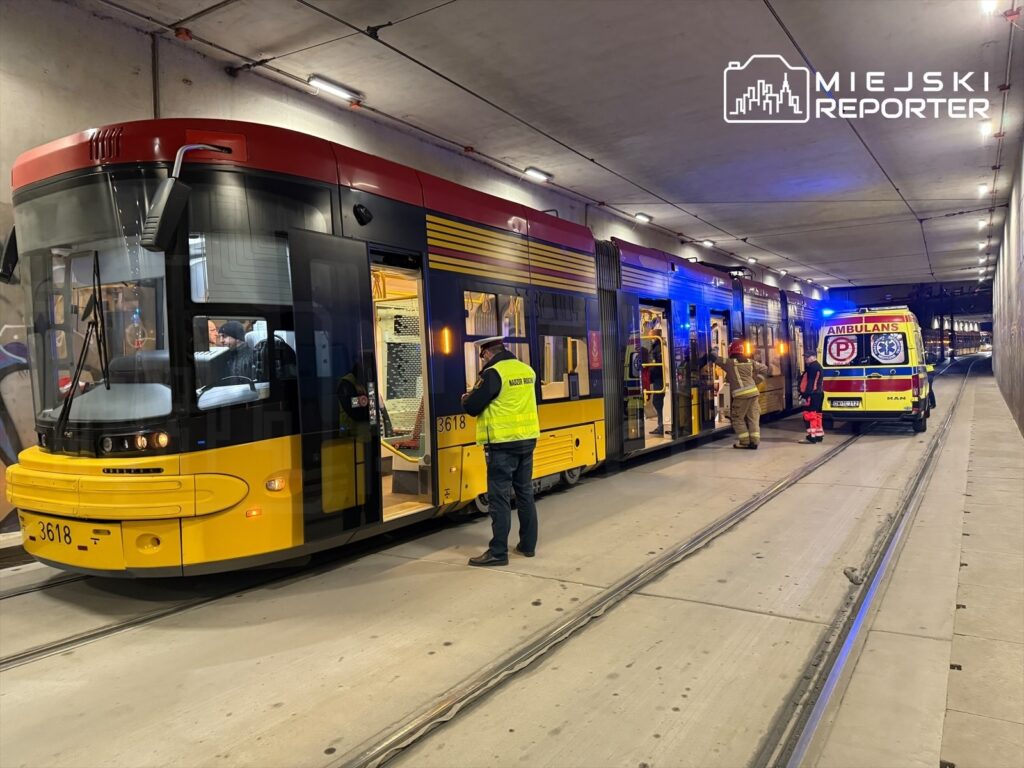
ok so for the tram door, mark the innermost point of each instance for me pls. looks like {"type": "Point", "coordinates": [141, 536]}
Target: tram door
{"type": "Point", "coordinates": [338, 415]}
{"type": "Point", "coordinates": [631, 361]}
{"type": "Point", "coordinates": [719, 343]}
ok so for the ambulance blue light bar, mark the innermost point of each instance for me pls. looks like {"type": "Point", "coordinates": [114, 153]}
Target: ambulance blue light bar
{"type": "Point", "coordinates": [828, 312]}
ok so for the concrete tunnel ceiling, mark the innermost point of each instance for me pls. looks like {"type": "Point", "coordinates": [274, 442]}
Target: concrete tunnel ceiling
{"type": "Point", "coordinates": [623, 103]}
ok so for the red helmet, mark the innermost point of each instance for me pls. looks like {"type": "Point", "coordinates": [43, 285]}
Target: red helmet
{"type": "Point", "coordinates": [736, 347]}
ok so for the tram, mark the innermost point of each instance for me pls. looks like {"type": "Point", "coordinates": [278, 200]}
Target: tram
{"type": "Point", "coordinates": [248, 344]}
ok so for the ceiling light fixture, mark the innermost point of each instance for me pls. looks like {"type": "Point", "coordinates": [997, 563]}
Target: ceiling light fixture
{"type": "Point", "coordinates": [708, 243]}
{"type": "Point", "coordinates": [988, 7]}
{"type": "Point", "coordinates": [981, 246]}
{"type": "Point", "coordinates": [982, 190]}
{"type": "Point", "coordinates": [783, 272]}
{"type": "Point", "coordinates": [643, 218]}
{"type": "Point", "coordinates": [986, 129]}
{"type": "Point", "coordinates": [348, 94]}
{"type": "Point", "coordinates": [981, 223]}
{"type": "Point", "coordinates": [538, 175]}
{"type": "Point", "coordinates": [692, 259]}
{"type": "Point", "coordinates": [981, 259]}
{"type": "Point", "coordinates": [751, 260]}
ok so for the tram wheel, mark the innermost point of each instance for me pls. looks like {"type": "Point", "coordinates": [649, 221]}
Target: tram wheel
{"type": "Point", "coordinates": [572, 476]}
{"type": "Point", "coordinates": [920, 425]}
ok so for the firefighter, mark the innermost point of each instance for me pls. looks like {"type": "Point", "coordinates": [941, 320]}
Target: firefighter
{"type": "Point", "coordinates": [743, 376]}
{"type": "Point", "coordinates": [813, 393]}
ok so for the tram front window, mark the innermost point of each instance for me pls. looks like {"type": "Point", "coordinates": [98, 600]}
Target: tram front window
{"type": "Point", "coordinates": [83, 265]}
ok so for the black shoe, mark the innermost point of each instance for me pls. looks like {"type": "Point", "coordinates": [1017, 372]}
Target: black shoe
{"type": "Point", "coordinates": [811, 439]}
{"type": "Point", "coordinates": [524, 552]}
{"type": "Point", "coordinates": [658, 431]}
{"type": "Point", "coordinates": [752, 446]}
{"type": "Point", "coordinates": [487, 559]}
{"type": "Point", "coordinates": [740, 445]}
{"type": "Point", "coordinates": [819, 439]}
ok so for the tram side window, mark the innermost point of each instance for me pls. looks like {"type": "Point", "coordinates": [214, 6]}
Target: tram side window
{"type": "Point", "coordinates": [493, 314]}
{"type": "Point", "coordinates": [562, 329]}
{"type": "Point", "coordinates": [237, 250]}
{"type": "Point", "coordinates": [774, 358]}
{"type": "Point", "coordinates": [233, 359]}
{"type": "Point", "coordinates": [758, 341]}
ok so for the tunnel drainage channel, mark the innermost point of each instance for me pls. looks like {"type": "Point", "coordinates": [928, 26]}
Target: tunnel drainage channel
{"type": "Point", "coordinates": [448, 705]}
{"type": "Point", "coordinates": [794, 737]}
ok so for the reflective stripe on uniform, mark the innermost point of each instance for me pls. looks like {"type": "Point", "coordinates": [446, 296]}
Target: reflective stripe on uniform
{"type": "Point", "coordinates": [748, 391]}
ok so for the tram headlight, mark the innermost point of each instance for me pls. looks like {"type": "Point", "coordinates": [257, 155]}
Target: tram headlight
{"type": "Point", "coordinates": [161, 439]}
{"type": "Point", "coordinates": [141, 442]}
{"type": "Point", "coordinates": [107, 445]}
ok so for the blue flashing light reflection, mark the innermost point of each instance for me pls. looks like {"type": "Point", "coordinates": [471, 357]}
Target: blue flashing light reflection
{"type": "Point", "coordinates": [828, 312]}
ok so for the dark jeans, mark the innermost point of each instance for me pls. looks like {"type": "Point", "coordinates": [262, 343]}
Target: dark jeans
{"type": "Point", "coordinates": [511, 469]}
{"type": "Point", "coordinates": [659, 406]}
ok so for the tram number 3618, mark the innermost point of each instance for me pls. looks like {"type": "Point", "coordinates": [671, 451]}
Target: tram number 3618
{"type": "Point", "coordinates": [450, 423]}
{"type": "Point", "coordinates": [60, 534]}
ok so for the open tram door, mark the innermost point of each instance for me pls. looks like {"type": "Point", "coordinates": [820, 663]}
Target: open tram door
{"type": "Point", "coordinates": [338, 416]}
{"type": "Point", "coordinates": [719, 344]}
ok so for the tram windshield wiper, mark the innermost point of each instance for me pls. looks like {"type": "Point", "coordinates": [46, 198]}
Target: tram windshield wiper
{"type": "Point", "coordinates": [95, 327]}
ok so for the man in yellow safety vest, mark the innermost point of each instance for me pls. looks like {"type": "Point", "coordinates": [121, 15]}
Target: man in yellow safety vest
{"type": "Point", "coordinates": [504, 402]}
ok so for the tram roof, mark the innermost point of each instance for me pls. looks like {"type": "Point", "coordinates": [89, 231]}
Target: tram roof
{"type": "Point", "coordinates": [260, 147]}
{"type": "Point", "coordinates": [661, 261]}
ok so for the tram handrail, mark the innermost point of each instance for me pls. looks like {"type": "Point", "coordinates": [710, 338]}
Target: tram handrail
{"type": "Point", "coordinates": [663, 365]}
{"type": "Point", "coordinates": [398, 453]}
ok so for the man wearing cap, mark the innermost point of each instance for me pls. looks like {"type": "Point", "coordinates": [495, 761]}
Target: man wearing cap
{"type": "Point", "coordinates": [239, 360]}
{"type": "Point", "coordinates": [745, 411]}
{"type": "Point", "coordinates": [504, 402]}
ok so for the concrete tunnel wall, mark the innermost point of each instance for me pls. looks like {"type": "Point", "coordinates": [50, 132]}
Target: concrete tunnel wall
{"type": "Point", "coordinates": [1008, 302]}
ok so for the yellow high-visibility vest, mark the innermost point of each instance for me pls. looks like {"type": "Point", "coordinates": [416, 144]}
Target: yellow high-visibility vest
{"type": "Point", "coordinates": [512, 415]}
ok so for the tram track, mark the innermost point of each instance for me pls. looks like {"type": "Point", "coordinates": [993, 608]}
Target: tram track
{"type": "Point", "coordinates": [331, 559]}
{"type": "Point", "coordinates": [28, 589]}
{"type": "Point", "coordinates": [472, 690]}
{"type": "Point", "coordinates": [791, 737]}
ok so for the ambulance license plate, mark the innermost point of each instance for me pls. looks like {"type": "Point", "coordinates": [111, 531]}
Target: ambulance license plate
{"type": "Point", "coordinates": [844, 403]}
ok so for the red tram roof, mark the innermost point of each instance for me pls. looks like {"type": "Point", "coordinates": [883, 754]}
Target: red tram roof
{"type": "Point", "coordinates": [281, 150]}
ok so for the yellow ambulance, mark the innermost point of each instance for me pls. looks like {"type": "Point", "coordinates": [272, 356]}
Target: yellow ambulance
{"type": "Point", "coordinates": [875, 367]}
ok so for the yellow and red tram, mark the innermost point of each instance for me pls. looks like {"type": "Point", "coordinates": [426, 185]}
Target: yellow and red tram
{"type": "Point", "coordinates": [283, 375]}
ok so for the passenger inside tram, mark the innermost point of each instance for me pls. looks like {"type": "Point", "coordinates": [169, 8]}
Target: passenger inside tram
{"type": "Point", "coordinates": [657, 384]}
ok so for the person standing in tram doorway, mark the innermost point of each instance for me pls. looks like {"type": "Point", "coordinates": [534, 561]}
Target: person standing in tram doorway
{"type": "Point", "coordinates": [813, 393]}
{"type": "Point", "coordinates": [504, 402]}
{"type": "Point", "coordinates": [658, 382]}
{"type": "Point", "coordinates": [743, 376]}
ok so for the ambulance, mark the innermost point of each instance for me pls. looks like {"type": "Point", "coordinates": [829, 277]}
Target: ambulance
{"type": "Point", "coordinates": [875, 367]}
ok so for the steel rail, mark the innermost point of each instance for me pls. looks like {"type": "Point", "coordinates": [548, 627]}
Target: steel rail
{"type": "Point", "coordinates": [49, 649]}
{"type": "Point", "coordinates": [822, 677]}
{"type": "Point", "coordinates": [382, 748]}
{"type": "Point", "coordinates": [56, 582]}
